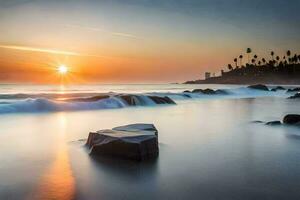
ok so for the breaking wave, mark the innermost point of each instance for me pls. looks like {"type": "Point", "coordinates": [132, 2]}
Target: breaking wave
{"type": "Point", "coordinates": [14, 103]}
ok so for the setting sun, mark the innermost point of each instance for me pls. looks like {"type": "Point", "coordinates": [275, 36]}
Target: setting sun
{"type": "Point", "coordinates": [62, 69]}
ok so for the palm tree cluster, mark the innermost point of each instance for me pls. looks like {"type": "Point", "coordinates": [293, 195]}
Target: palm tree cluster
{"type": "Point", "coordinates": [287, 64]}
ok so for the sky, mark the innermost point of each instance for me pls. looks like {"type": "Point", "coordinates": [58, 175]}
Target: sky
{"type": "Point", "coordinates": [138, 41]}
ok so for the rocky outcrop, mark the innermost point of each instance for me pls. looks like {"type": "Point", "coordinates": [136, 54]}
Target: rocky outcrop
{"type": "Point", "coordinates": [134, 141]}
{"type": "Point", "coordinates": [259, 87]}
{"type": "Point", "coordinates": [88, 99]}
{"type": "Point", "coordinates": [273, 123]}
{"type": "Point", "coordinates": [277, 88]}
{"type": "Point", "coordinates": [136, 100]}
{"type": "Point", "coordinates": [162, 100]}
{"type": "Point", "coordinates": [132, 100]}
{"type": "Point", "coordinates": [297, 89]}
{"type": "Point", "coordinates": [209, 91]}
{"type": "Point", "coordinates": [292, 119]}
{"type": "Point", "coordinates": [295, 96]}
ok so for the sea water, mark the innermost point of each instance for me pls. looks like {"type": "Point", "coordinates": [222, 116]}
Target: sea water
{"type": "Point", "coordinates": [209, 146]}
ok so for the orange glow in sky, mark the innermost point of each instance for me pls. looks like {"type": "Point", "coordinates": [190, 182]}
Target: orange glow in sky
{"type": "Point", "coordinates": [129, 42]}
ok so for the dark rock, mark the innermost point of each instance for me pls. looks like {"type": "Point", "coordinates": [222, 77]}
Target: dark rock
{"type": "Point", "coordinates": [297, 89]}
{"type": "Point", "coordinates": [208, 91]}
{"type": "Point", "coordinates": [221, 92]}
{"type": "Point", "coordinates": [273, 123]}
{"type": "Point", "coordinates": [186, 95]}
{"type": "Point", "coordinates": [132, 100]}
{"type": "Point", "coordinates": [134, 141]}
{"type": "Point", "coordinates": [295, 96]}
{"type": "Point", "coordinates": [279, 88]}
{"type": "Point", "coordinates": [162, 100]}
{"type": "Point", "coordinates": [291, 119]}
{"type": "Point", "coordinates": [204, 91]}
{"type": "Point", "coordinates": [186, 91]}
{"type": "Point", "coordinates": [259, 87]}
{"type": "Point", "coordinates": [197, 91]}
{"type": "Point", "coordinates": [88, 99]}
{"type": "Point", "coordinates": [257, 121]}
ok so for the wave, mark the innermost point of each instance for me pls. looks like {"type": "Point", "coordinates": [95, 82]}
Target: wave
{"type": "Point", "coordinates": [76, 104]}
{"type": "Point", "coordinates": [15, 103]}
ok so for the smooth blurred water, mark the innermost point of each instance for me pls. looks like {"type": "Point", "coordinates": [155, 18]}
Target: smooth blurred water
{"type": "Point", "coordinates": [209, 149]}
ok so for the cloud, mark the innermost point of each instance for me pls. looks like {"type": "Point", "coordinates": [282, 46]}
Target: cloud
{"type": "Point", "coordinates": [45, 50]}
{"type": "Point", "coordinates": [119, 34]}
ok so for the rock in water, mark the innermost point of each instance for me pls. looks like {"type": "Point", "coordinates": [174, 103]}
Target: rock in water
{"type": "Point", "coordinates": [291, 119]}
{"type": "Point", "coordinates": [259, 87]}
{"type": "Point", "coordinates": [134, 141]}
{"type": "Point", "coordinates": [273, 123]}
{"type": "Point", "coordinates": [297, 89]}
{"type": "Point", "coordinates": [279, 88]}
{"type": "Point", "coordinates": [295, 96]}
{"type": "Point", "coordinates": [161, 100]}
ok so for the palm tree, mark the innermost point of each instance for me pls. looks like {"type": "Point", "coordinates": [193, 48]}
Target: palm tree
{"type": "Point", "coordinates": [288, 53]}
{"type": "Point", "coordinates": [249, 50]}
{"type": "Point", "coordinates": [259, 63]}
{"type": "Point", "coordinates": [241, 59]}
{"type": "Point", "coordinates": [263, 60]}
{"type": "Point", "coordinates": [253, 61]}
{"type": "Point", "coordinates": [272, 54]}
{"type": "Point", "coordinates": [255, 57]}
{"type": "Point", "coordinates": [229, 67]}
{"type": "Point", "coordinates": [295, 58]}
{"type": "Point", "coordinates": [277, 58]}
{"type": "Point", "coordinates": [235, 60]}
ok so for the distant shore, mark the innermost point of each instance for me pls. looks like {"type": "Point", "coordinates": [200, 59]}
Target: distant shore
{"type": "Point", "coordinates": [274, 80]}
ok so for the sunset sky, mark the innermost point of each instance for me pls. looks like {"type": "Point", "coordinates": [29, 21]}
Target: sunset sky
{"type": "Point", "coordinates": [138, 41]}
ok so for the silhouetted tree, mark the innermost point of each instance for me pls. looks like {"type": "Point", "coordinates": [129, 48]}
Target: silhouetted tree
{"type": "Point", "coordinates": [248, 51]}
{"type": "Point", "coordinates": [272, 54]}
{"type": "Point", "coordinates": [288, 53]}
{"type": "Point", "coordinates": [229, 67]}
{"type": "Point", "coordinates": [235, 60]}
{"type": "Point", "coordinates": [241, 59]}
{"type": "Point", "coordinates": [295, 58]}
{"type": "Point", "coordinates": [277, 58]}
{"type": "Point", "coordinates": [263, 60]}
{"type": "Point", "coordinates": [255, 57]}
{"type": "Point", "coordinates": [259, 63]}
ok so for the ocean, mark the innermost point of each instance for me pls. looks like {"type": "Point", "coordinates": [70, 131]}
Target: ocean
{"type": "Point", "coordinates": [209, 146]}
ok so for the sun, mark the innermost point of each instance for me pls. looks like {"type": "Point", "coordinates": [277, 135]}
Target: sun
{"type": "Point", "coordinates": [62, 69]}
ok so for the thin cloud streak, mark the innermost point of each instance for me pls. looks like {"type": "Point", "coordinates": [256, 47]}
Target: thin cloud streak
{"type": "Point", "coordinates": [50, 51]}
{"type": "Point", "coordinates": [120, 34]}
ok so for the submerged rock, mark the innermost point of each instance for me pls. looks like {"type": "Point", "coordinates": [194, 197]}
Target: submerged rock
{"type": "Point", "coordinates": [221, 92]}
{"type": "Point", "coordinates": [136, 100]}
{"type": "Point", "coordinates": [259, 87]}
{"type": "Point", "coordinates": [206, 91]}
{"type": "Point", "coordinates": [295, 96]}
{"type": "Point", "coordinates": [162, 100]}
{"type": "Point", "coordinates": [292, 119]}
{"type": "Point", "coordinates": [257, 121]}
{"type": "Point", "coordinates": [297, 89]}
{"type": "Point", "coordinates": [279, 88]}
{"type": "Point", "coordinates": [88, 99]}
{"type": "Point", "coordinates": [132, 100]}
{"type": "Point", "coordinates": [273, 123]}
{"type": "Point", "coordinates": [134, 141]}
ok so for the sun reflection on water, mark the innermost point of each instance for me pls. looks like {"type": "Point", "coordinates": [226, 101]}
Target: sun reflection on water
{"type": "Point", "coordinates": [58, 182]}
